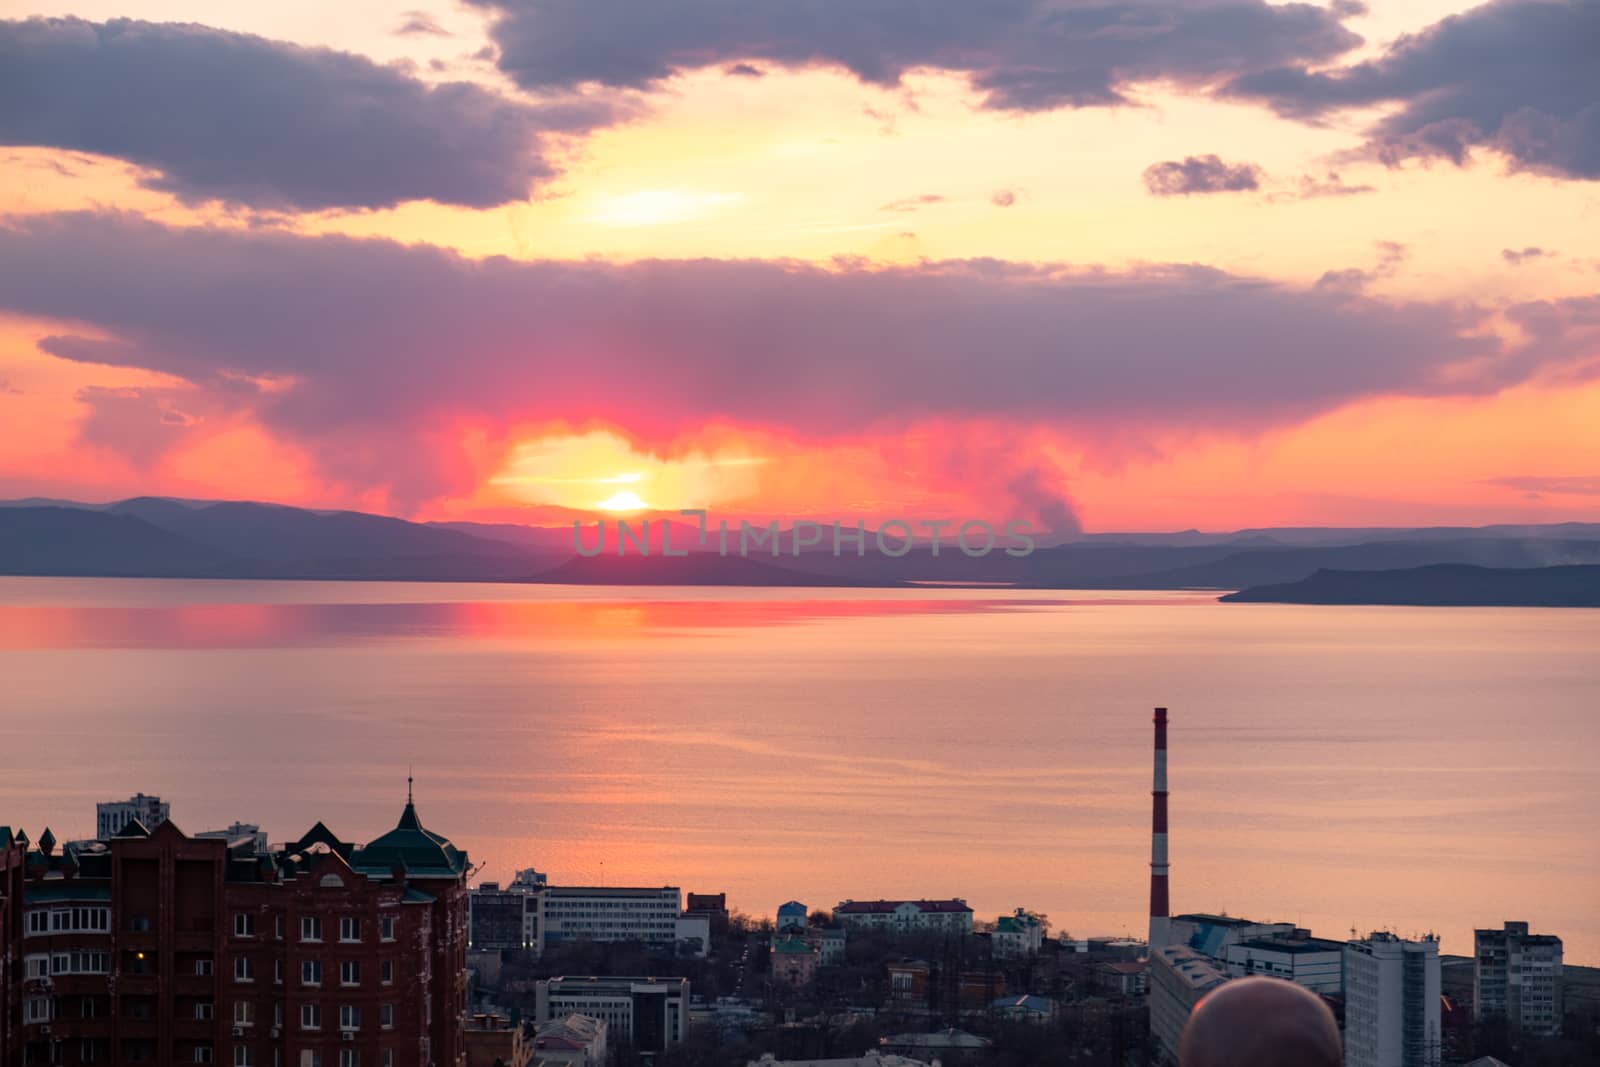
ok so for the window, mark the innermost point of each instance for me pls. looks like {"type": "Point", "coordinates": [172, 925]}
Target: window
{"type": "Point", "coordinates": [36, 967]}
{"type": "Point", "coordinates": [242, 971]}
{"type": "Point", "coordinates": [244, 924]}
{"type": "Point", "coordinates": [244, 1013]}
{"type": "Point", "coordinates": [202, 1054]}
{"type": "Point", "coordinates": [203, 1010]}
{"type": "Point", "coordinates": [243, 1057]}
{"type": "Point", "coordinates": [311, 1016]}
{"type": "Point", "coordinates": [349, 1017]}
{"type": "Point", "coordinates": [88, 1050]}
{"type": "Point", "coordinates": [277, 972]}
{"type": "Point", "coordinates": [38, 922]}
{"type": "Point", "coordinates": [139, 924]}
{"type": "Point", "coordinates": [386, 1016]}
{"type": "Point", "coordinates": [37, 1010]}
{"type": "Point", "coordinates": [310, 972]}
{"type": "Point", "coordinates": [310, 1058]}
{"type": "Point", "coordinates": [388, 1057]}
{"type": "Point", "coordinates": [386, 972]}
{"type": "Point", "coordinates": [350, 972]}
{"type": "Point", "coordinates": [349, 1057]}
{"type": "Point", "coordinates": [349, 929]}
{"type": "Point", "coordinates": [386, 927]}
{"type": "Point", "coordinates": [87, 1010]}
{"type": "Point", "coordinates": [277, 926]}
{"type": "Point", "coordinates": [310, 928]}
{"type": "Point", "coordinates": [202, 968]}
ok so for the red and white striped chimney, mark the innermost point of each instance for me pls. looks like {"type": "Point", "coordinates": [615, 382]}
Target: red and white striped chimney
{"type": "Point", "coordinates": [1159, 907]}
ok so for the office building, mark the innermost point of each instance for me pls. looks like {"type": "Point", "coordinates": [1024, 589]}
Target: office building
{"type": "Point", "coordinates": [649, 1013]}
{"type": "Point", "coordinates": [1313, 962]}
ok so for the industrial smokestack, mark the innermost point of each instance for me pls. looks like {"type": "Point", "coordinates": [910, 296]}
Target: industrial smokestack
{"type": "Point", "coordinates": [1159, 907]}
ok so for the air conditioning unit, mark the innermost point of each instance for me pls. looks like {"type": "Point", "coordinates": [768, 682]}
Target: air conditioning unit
{"type": "Point", "coordinates": [273, 1032]}
{"type": "Point", "coordinates": [238, 1031]}
{"type": "Point", "coordinates": [349, 1035]}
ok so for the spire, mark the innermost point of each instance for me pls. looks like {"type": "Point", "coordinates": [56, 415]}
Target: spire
{"type": "Point", "coordinates": [408, 818]}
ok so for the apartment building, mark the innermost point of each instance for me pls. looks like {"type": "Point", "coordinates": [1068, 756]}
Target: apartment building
{"type": "Point", "coordinates": [161, 948]}
{"type": "Point", "coordinates": [1391, 1002]}
{"type": "Point", "coordinates": [905, 916]}
{"type": "Point", "coordinates": [649, 1013]}
{"type": "Point", "coordinates": [1518, 977]}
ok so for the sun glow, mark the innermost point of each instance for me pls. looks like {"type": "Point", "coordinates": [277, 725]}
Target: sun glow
{"type": "Point", "coordinates": [626, 500]}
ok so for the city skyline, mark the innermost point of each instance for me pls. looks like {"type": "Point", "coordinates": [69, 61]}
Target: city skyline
{"type": "Point", "coordinates": [503, 260]}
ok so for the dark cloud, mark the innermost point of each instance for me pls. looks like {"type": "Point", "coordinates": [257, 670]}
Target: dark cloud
{"type": "Point", "coordinates": [1201, 174]}
{"type": "Point", "coordinates": [913, 203]}
{"type": "Point", "coordinates": [237, 118]}
{"type": "Point", "coordinates": [420, 23]}
{"type": "Point", "coordinates": [1025, 55]}
{"type": "Point", "coordinates": [1569, 485]}
{"type": "Point", "coordinates": [1520, 77]}
{"type": "Point", "coordinates": [373, 354]}
{"type": "Point", "coordinates": [1516, 257]}
{"type": "Point", "coordinates": [745, 70]}
{"type": "Point", "coordinates": [1003, 198]}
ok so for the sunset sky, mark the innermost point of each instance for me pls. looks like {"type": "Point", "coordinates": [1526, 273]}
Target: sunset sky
{"type": "Point", "coordinates": [1146, 265]}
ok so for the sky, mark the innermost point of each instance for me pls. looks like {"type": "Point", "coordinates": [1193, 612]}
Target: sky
{"type": "Point", "coordinates": [1155, 265]}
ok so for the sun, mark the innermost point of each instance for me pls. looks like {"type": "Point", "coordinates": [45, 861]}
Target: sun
{"type": "Point", "coordinates": [625, 500]}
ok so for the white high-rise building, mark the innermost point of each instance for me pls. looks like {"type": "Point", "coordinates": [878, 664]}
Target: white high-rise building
{"type": "Point", "coordinates": [1391, 1002]}
{"type": "Point", "coordinates": [1518, 976]}
{"type": "Point", "coordinates": [113, 815]}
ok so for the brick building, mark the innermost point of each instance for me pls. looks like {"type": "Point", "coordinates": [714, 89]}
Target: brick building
{"type": "Point", "coordinates": [160, 948]}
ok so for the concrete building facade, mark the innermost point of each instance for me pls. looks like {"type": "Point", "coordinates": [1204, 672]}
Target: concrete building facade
{"type": "Point", "coordinates": [649, 1013]}
{"type": "Point", "coordinates": [1518, 978]}
{"type": "Point", "coordinates": [1179, 979]}
{"type": "Point", "coordinates": [1391, 1002]}
{"type": "Point", "coordinates": [1313, 962]}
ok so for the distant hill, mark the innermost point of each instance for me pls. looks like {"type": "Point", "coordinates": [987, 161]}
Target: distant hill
{"type": "Point", "coordinates": [163, 537]}
{"type": "Point", "coordinates": [72, 541]}
{"type": "Point", "coordinates": [1440, 585]}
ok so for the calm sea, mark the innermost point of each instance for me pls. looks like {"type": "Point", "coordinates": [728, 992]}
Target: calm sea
{"type": "Point", "coordinates": [1344, 768]}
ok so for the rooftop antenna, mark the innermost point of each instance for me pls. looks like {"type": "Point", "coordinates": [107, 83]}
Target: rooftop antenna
{"type": "Point", "coordinates": [408, 783]}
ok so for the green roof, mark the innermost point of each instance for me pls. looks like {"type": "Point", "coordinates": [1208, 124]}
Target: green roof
{"type": "Point", "coordinates": [791, 946]}
{"type": "Point", "coordinates": [410, 846]}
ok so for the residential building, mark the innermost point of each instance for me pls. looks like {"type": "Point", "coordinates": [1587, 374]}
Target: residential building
{"type": "Point", "coordinates": [1313, 962]}
{"type": "Point", "coordinates": [794, 962]}
{"type": "Point", "coordinates": [905, 916]}
{"type": "Point", "coordinates": [1121, 978]}
{"type": "Point", "coordinates": [501, 919]}
{"type": "Point", "coordinates": [495, 1041]}
{"type": "Point", "coordinates": [576, 1041]}
{"type": "Point", "coordinates": [1518, 977]}
{"type": "Point", "coordinates": [916, 985]}
{"type": "Point", "coordinates": [693, 933]}
{"type": "Point", "coordinates": [1017, 936]}
{"type": "Point", "coordinates": [712, 906]}
{"type": "Point", "coordinates": [649, 1013]}
{"type": "Point", "coordinates": [163, 948]}
{"type": "Point", "coordinates": [1180, 978]}
{"type": "Point", "coordinates": [1391, 1002]}
{"type": "Point", "coordinates": [111, 816]}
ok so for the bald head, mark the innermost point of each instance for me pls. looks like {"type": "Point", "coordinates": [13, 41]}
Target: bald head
{"type": "Point", "coordinates": [1261, 1022]}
